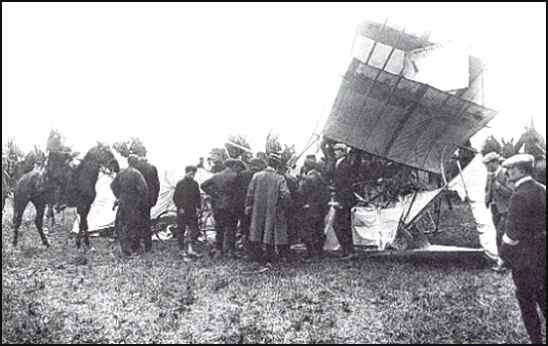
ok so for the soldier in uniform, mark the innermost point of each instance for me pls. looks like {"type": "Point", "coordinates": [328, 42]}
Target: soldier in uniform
{"type": "Point", "coordinates": [524, 242]}
{"type": "Point", "coordinates": [131, 192]}
{"type": "Point", "coordinates": [313, 198]}
{"type": "Point", "coordinates": [497, 196]}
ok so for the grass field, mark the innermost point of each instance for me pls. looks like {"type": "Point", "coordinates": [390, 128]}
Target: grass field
{"type": "Point", "coordinates": [61, 295]}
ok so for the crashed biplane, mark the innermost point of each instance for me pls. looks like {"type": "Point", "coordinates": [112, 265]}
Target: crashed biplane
{"type": "Point", "coordinates": [413, 102]}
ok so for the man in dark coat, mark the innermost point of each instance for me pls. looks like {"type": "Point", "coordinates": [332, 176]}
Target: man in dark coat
{"type": "Point", "coordinates": [524, 243]}
{"type": "Point", "coordinates": [313, 199]}
{"type": "Point", "coordinates": [243, 180]}
{"type": "Point", "coordinates": [343, 179]}
{"type": "Point", "coordinates": [131, 192]}
{"type": "Point", "coordinates": [150, 173]}
{"type": "Point", "coordinates": [222, 189]}
{"type": "Point", "coordinates": [497, 196]}
{"type": "Point", "coordinates": [187, 199]}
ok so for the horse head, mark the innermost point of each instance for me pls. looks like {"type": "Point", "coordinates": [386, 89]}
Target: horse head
{"type": "Point", "coordinates": [508, 148]}
{"type": "Point", "coordinates": [105, 158]}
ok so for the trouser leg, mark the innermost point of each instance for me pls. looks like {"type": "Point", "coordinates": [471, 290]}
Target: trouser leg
{"type": "Point", "coordinates": [220, 225]}
{"type": "Point", "coordinates": [245, 221]}
{"type": "Point", "coordinates": [343, 230]}
{"type": "Point", "coordinates": [270, 253]}
{"type": "Point", "coordinates": [180, 234]}
{"type": "Point", "coordinates": [255, 251]}
{"type": "Point", "coordinates": [528, 305]}
{"type": "Point", "coordinates": [147, 231]}
{"type": "Point", "coordinates": [191, 221]}
{"type": "Point", "coordinates": [284, 251]}
{"type": "Point", "coordinates": [229, 240]}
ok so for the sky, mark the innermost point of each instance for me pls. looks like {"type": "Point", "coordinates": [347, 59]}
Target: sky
{"type": "Point", "coordinates": [183, 76]}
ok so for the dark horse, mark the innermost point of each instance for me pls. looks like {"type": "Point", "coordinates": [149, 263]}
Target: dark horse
{"type": "Point", "coordinates": [60, 183]}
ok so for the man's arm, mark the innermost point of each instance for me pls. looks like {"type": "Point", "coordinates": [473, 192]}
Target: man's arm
{"type": "Point", "coordinates": [155, 188]}
{"type": "Point", "coordinates": [209, 187]}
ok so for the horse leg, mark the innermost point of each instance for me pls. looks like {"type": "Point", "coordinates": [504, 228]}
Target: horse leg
{"type": "Point", "coordinates": [18, 210]}
{"type": "Point", "coordinates": [83, 213]}
{"type": "Point", "coordinates": [39, 220]}
{"type": "Point", "coordinates": [51, 215]}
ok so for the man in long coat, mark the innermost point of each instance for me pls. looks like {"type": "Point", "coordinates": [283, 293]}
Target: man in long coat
{"type": "Point", "coordinates": [131, 192]}
{"type": "Point", "coordinates": [524, 243]}
{"type": "Point", "coordinates": [314, 198]}
{"type": "Point", "coordinates": [267, 198]}
{"type": "Point", "coordinates": [150, 173]}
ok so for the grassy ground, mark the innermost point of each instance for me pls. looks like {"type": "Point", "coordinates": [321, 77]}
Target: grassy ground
{"type": "Point", "coordinates": [62, 295]}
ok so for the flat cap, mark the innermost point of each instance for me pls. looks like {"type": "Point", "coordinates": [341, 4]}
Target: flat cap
{"type": "Point", "coordinates": [339, 146]}
{"type": "Point", "coordinates": [519, 159]}
{"type": "Point", "coordinates": [492, 156]}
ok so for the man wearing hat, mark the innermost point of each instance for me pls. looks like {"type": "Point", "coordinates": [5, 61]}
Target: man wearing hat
{"type": "Point", "coordinates": [497, 196]}
{"type": "Point", "coordinates": [524, 241]}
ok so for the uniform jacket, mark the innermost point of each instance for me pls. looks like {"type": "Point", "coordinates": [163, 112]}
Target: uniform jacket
{"type": "Point", "coordinates": [527, 224]}
{"type": "Point", "coordinates": [187, 195]}
{"type": "Point", "coordinates": [222, 188]}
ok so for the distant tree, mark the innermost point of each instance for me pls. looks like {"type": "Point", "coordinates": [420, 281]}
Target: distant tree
{"type": "Point", "coordinates": [236, 152]}
{"type": "Point", "coordinates": [132, 146]}
{"type": "Point", "coordinates": [491, 144]}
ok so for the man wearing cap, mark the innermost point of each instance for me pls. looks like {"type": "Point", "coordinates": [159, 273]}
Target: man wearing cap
{"type": "Point", "coordinates": [497, 196]}
{"type": "Point", "coordinates": [524, 241]}
{"type": "Point", "coordinates": [222, 187]}
{"type": "Point", "coordinates": [187, 199]}
{"type": "Point", "coordinates": [266, 198]}
{"type": "Point", "coordinates": [131, 192]}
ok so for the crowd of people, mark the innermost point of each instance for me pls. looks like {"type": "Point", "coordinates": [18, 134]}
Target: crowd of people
{"type": "Point", "coordinates": [518, 206]}
{"type": "Point", "coordinates": [260, 210]}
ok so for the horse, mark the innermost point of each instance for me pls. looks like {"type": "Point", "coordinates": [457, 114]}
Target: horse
{"type": "Point", "coordinates": [14, 166]}
{"type": "Point", "coordinates": [60, 183]}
